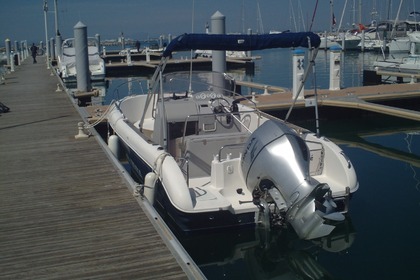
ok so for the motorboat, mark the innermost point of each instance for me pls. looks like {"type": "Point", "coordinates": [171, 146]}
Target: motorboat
{"type": "Point", "coordinates": [208, 160]}
{"type": "Point", "coordinates": [67, 61]}
{"type": "Point", "coordinates": [408, 64]}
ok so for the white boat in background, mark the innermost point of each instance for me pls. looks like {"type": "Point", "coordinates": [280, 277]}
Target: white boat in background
{"type": "Point", "coordinates": [407, 64]}
{"type": "Point", "coordinates": [349, 41]}
{"type": "Point", "coordinates": [229, 54]}
{"type": "Point", "coordinates": [67, 61]}
{"type": "Point", "coordinates": [208, 160]}
{"type": "Point", "coordinates": [328, 41]}
{"type": "Point", "coordinates": [404, 44]}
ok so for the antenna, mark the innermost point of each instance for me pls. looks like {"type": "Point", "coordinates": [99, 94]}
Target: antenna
{"type": "Point", "coordinates": [191, 51]}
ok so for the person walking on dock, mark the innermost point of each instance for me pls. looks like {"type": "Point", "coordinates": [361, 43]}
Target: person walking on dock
{"type": "Point", "coordinates": [138, 46]}
{"type": "Point", "coordinates": [34, 51]}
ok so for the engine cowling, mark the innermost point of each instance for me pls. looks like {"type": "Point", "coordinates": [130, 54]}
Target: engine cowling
{"type": "Point", "coordinates": [276, 157]}
{"type": "Point", "coordinates": [275, 152]}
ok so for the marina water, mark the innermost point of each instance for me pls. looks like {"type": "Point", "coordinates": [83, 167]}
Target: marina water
{"type": "Point", "coordinates": [380, 237]}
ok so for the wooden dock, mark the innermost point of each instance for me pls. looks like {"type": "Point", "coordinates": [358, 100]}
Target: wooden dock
{"type": "Point", "coordinates": [66, 210]}
{"type": "Point", "coordinates": [363, 98]}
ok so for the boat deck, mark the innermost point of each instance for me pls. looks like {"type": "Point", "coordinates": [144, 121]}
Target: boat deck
{"type": "Point", "coordinates": [66, 211]}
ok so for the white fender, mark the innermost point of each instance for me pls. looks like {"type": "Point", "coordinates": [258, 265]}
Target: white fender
{"type": "Point", "coordinates": [149, 186]}
{"type": "Point", "coordinates": [113, 145]}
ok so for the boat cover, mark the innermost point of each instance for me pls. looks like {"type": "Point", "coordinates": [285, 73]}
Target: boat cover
{"type": "Point", "coordinates": [242, 42]}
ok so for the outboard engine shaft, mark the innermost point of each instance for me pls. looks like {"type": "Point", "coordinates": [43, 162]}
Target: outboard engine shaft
{"type": "Point", "coordinates": [275, 164]}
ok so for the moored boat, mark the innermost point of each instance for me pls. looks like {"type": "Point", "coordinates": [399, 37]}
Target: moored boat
{"type": "Point", "coordinates": [66, 62]}
{"type": "Point", "coordinates": [207, 159]}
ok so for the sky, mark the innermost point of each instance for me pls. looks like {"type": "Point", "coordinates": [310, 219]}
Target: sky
{"type": "Point", "coordinates": [143, 19]}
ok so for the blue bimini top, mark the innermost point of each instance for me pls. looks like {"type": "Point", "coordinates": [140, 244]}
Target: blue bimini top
{"type": "Point", "coordinates": [239, 42]}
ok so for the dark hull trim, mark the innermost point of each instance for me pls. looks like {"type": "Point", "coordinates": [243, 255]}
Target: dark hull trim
{"type": "Point", "coordinates": [186, 223]}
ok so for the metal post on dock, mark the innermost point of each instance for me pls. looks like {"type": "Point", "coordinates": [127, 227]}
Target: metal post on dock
{"type": "Point", "coordinates": [122, 41]}
{"type": "Point", "coordinates": [298, 72]}
{"type": "Point", "coordinates": [218, 57]}
{"type": "Point", "coordinates": [8, 50]}
{"type": "Point", "coordinates": [58, 43]}
{"type": "Point", "coordinates": [160, 41]}
{"type": "Point", "coordinates": [26, 48]}
{"type": "Point", "coordinates": [52, 48]}
{"type": "Point", "coordinates": [12, 63]}
{"type": "Point", "coordinates": [249, 32]}
{"type": "Point", "coordinates": [17, 52]}
{"type": "Point", "coordinates": [22, 48]}
{"type": "Point", "coordinates": [82, 58]}
{"type": "Point", "coordinates": [98, 40]}
{"type": "Point", "coordinates": [335, 67]}
{"type": "Point", "coordinates": [47, 52]}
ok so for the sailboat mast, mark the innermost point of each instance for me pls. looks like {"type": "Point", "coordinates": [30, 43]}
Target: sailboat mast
{"type": "Point", "coordinates": [332, 15]}
{"type": "Point", "coordinates": [260, 27]}
{"type": "Point", "coordinates": [396, 19]}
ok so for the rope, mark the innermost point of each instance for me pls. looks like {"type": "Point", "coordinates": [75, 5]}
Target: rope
{"type": "Point", "coordinates": [103, 116]}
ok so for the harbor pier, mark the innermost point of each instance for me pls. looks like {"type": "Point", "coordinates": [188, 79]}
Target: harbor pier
{"type": "Point", "coordinates": [67, 210]}
{"type": "Point", "coordinates": [367, 98]}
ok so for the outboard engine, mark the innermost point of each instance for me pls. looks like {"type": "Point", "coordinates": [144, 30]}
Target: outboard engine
{"type": "Point", "coordinates": [275, 164]}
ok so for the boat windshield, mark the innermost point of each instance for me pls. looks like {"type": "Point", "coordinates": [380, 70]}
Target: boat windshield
{"type": "Point", "coordinates": [200, 85]}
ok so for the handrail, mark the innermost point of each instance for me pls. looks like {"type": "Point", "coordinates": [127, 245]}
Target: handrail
{"type": "Point", "coordinates": [219, 155]}
{"type": "Point", "coordinates": [152, 89]}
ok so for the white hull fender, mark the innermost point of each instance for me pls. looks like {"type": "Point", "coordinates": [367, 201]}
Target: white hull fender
{"type": "Point", "coordinates": [113, 145]}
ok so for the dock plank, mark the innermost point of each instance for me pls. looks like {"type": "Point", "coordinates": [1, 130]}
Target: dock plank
{"type": "Point", "coordinates": [65, 211]}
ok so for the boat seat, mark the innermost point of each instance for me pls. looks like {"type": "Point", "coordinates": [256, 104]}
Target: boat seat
{"type": "Point", "coordinates": [201, 149]}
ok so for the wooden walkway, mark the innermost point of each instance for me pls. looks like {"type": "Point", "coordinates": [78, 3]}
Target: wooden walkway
{"type": "Point", "coordinates": [363, 98]}
{"type": "Point", "coordinates": [65, 211]}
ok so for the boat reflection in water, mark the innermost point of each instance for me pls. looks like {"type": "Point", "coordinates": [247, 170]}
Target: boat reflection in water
{"type": "Point", "coordinates": [261, 254]}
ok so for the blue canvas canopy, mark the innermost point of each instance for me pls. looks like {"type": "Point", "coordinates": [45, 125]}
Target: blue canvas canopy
{"type": "Point", "coordinates": [239, 42]}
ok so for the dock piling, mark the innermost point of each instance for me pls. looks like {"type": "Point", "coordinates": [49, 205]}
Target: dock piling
{"type": "Point", "coordinates": [12, 63]}
{"type": "Point", "coordinates": [82, 58]}
{"type": "Point", "coordinates": [8, 51]}
{"type": "Point", "coordinates": [218, 26]}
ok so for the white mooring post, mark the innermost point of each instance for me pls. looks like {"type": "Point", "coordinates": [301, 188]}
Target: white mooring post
{"type": "Point", "coordinates": [335, 67]}
{"type": "Point", "coordinates": [8, 46]}
{"type": "Point", "coordinates": [298, 73]}
{"type": "Point", "coordinates": [147, 54]}
{"type": "Point", "coordinates": [12, 63]}
{"type": "Point", "coordinates": [129, 62]}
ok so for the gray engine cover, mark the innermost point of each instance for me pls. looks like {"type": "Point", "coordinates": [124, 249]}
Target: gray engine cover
{"type": "Point", "coordinates": [275, 152]}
